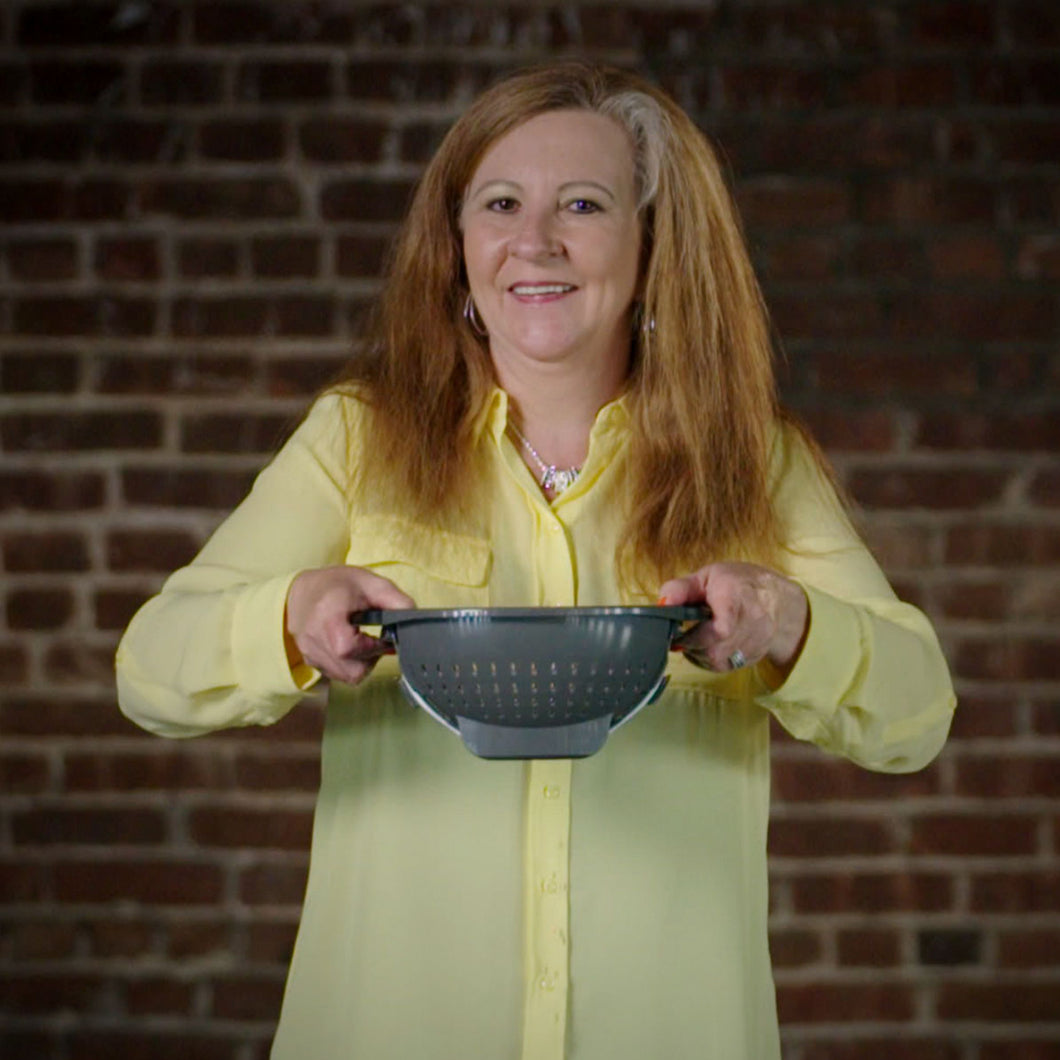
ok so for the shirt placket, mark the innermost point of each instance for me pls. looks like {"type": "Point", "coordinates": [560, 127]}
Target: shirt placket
{"type": "Point", "coordinates": [547, 869]}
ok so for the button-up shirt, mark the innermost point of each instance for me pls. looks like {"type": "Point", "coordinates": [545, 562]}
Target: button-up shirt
{"type": "Point", "coordinates": [607, 908]}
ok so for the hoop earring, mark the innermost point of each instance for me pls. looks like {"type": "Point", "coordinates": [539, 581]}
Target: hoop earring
{"type": "Point", "coordinates": [473, 319]}
{"type": "Point", "coordinates": [645, 327]}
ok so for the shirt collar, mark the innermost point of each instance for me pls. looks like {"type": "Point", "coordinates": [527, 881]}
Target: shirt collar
{"type": "Point", "coordinates": [614, 416]}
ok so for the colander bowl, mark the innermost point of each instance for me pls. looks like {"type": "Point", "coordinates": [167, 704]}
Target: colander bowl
{"type": "Point", "coordinates": [537, 682]}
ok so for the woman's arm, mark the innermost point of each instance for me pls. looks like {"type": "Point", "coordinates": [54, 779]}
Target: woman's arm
{"type": "Point", "coordinates": [841, 661]}
{"type": "Point", "coordinates": [212, 649]}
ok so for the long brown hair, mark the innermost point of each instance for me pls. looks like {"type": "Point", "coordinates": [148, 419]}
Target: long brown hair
{"type": "Point", "coordinates": [701, 389]}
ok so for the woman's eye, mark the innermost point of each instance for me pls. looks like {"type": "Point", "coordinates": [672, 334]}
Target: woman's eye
{"type": "Point", "coordinates": [503, 205]}
{"type": "Point", "coordinates": [582, 206]}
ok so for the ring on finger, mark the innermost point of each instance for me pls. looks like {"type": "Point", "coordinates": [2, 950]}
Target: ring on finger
{"type": "Point", "coordinates": [737, 659]}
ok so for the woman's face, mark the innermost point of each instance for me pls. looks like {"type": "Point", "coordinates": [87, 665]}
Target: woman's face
{"type": "Point", "coordinates": [552, 241]}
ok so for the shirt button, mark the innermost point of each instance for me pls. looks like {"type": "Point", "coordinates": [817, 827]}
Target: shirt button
{"type": "Point", "coordinates": [551, 791]}
{"type": "Point", "coordinates": [550, 884]}
{"type": "Point", "coordinates": [547, 982]}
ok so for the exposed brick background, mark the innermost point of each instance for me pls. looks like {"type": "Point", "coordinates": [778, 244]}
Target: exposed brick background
{"type": "Point", "coordinates": [195, 200]}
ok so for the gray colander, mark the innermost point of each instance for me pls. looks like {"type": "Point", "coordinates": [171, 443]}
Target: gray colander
{"type": "Point", "coordinates": [532, 682]}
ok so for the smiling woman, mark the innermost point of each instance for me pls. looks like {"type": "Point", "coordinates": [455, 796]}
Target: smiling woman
{"type": "Point", "coordinates": [567, 399]}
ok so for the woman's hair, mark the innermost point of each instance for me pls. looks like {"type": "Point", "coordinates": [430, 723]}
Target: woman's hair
{"type": "Point", "coordinates": [701, 389]}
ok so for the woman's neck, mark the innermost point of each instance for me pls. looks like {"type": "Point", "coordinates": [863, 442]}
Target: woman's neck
{"type": "Point", "coordinates": [554, 406]}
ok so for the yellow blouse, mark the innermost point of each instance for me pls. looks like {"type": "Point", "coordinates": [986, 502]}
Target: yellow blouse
{"type": "Point", "coordinates": [609, 908]}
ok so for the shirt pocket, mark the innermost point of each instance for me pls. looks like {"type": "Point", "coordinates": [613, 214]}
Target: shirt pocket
{"type": "Point", "coordinates": [437, 568]}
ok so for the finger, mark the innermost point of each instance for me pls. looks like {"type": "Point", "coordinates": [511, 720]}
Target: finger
{"type": "Point", "coordinates": [380, 592]}
{"type": "Point", "coordinates": [679, 591]}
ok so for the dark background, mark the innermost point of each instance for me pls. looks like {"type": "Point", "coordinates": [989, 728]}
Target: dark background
{"type": "Point", "coordinates": [195, 199]}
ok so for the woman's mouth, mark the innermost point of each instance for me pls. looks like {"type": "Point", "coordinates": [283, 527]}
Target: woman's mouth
{"type": "Point", "coordinates": [540, 290]}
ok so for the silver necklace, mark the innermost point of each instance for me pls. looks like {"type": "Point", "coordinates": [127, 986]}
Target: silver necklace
{"type": "Point", "coordinates": [554, 479]}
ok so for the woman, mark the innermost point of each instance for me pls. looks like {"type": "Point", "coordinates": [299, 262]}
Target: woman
{"type": "Point", "coordinates": [568, 399]}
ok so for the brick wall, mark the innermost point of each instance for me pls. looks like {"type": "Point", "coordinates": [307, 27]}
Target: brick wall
{"type": "Point", "coordinates": [195, 201]}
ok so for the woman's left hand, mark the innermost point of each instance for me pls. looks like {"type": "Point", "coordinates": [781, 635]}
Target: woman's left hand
{"type": "Point", "coordinates": [756, 614]}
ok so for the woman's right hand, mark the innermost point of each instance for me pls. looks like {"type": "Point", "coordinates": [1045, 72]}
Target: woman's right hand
{"type": "Point", "coordinates": [318, 627]}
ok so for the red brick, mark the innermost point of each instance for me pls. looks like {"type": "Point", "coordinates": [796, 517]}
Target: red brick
{"type": "Point", "coordinates": [77, 662]}
{"type": "Point", "coordinates": [843, 314]}
{"type": "Point", "coordinates": [247, 997]}
{"type": "Point", "coordinates": [903, 200]}
{"type": "Point", "coordinates": [271, 772]}
{"type": "Point", "coordinates": [152, 882]}
{"type": "Point", "coordinates": [41, 373]}
{"type": "Point", "coordinates": [178, 82]}
{"type": "Point", "coordinates": [43, 260]}
{"type": "Point", "coordinates": [1044, 488]}
{"type": "Point", "coordinates": [63, 714]}
{"type": "Point", "coordinates": [273, 884]}
{"type": "Point", "coordinates": [25, 201]}
{"type": "Point", "coordinates": [340, 139]}
{"type": "Point", "coordinates": [234, 433]}
{"type": "Point", "coordinates": [1026, 1002]}
{"type": "Point", "coordinates": [173, 487]}
{"type": "Point", "coordinates": [135, 259]}
{"type": "Point", "coordinates": [1022, 892]}
{"type": "Point", "coordinates": [125, 937]}
{"type": "Point", "coordinates": [953, 24]}
{"type": "Point", "coordinates": [820, 779]}
{"type": "Point", "coordinates": [872, 893]}
{"type": "Point", "coordinates": [161, 768]}
{"type": "Point", "coordinates": [892, 255]}
{"type": "Point", "coordinates": [1026, 141]}
{"type": "Point", "coordinates": [1039, 257]}
{"type": "Point", "coordinates": [14, 663]}
{"type": "Point", "coordinates": [154, 1043]}
{"type": "Point", "coordinates": [884, 1049]}
{"type": "Point", "coordinates": [959, 487]}
{"type": "Point", "coordinates": [24, 883]}
{"type": "Point", "coordinates": [230, 826]}
{"type": "Point", "coordinates": [1045, 717]}
{"type": "Point", "coordinates": [102, 199]}
{"type": "Point", "coordinates": [245, 199]}
{"type": "Point", "coordinates": [24, 772]}
{"type": "Point", "coordinates": [54, 142]}
{"type": "Point", "coordinates": [852, 431]}
{"type": "Point", "coordinates": [285, 257]}
{"type": "Point", "coordinates": [272, 941]}
{"type": "Point", "coordinates": [967, 257]}
{"type": "Point", "coordinates": [244, 140]}
{"type": "Point", "coordinates": [1013, 775]}
{"type": "Point", "coordinates": [302, 81]}
{"type": "Point", "coordinates": [192, 373]}
{"type": "Point", "coordinates": [113, 608]}
{"type": "Point", "coordinates": [1029, 948]}
{"type": "Point", "coordinates": [844, 1002]}
{"type": "Point", "coordinates": [67, 826]}
{"type": "Point", "coordinates": [986, 600]}
{"type": "Point", "coordinates": [303, 376]}
{"type": "Point", "coordinates": [925, 84]}
{"type": "Point", "coordinates": [139, 142]}
{"type": "Point", "coordinates": [247, 316]}
{"type": "Point", "coordinates": [1008, 658]}
{"type": "Point", "coordinates": [200, 258]}
{"type": "Point", "coordinates": [1026, 431]}
{"type": "Point", "coordinates": [971, 835]}
{"type": "Point", "coordinates": [363, 199]}
{"type": "Point", "coordinates": [39, 609]}
{"type": "Point", "coordinates": [157, 996]}
{"type": "Point", "coordinates": [45, 551]}
{"type": "Point", "coordinates": [58, 992]}
{"type": "Point", "coordinates": [72, 25]}
{"type": "Point", "coordinates": [866, 948]}
{"type": "Point", "coordinates": [949, 947]}
{"type": "Point", "coordinates": [1023, 1049]}
{"type": "Point", "coordinates": [837, 372]}
{"type": "Point", "coordinates": [1002, 545]}
{"type": "Point", "coordinates": [198, 938]}
{"type": "Point", "coordinates": [103, 315]}
{"type": "Point", "coordinates": [810, 837]}
{"type": "Point", "coordinates": [42, 940]}
{"type": "Point", "coordinates": [150, 550]}
{"type": "Point", "coordinates": [73, 81]}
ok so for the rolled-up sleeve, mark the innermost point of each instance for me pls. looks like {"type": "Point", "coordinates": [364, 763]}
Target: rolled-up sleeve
{"type": "Point", "coordinates": [871, 682]}
{"type": "Point", "coordinates": [207, 652]}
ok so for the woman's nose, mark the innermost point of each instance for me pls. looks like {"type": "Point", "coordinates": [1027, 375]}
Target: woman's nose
{"type": "Point", "coordinates": [536, 236]}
